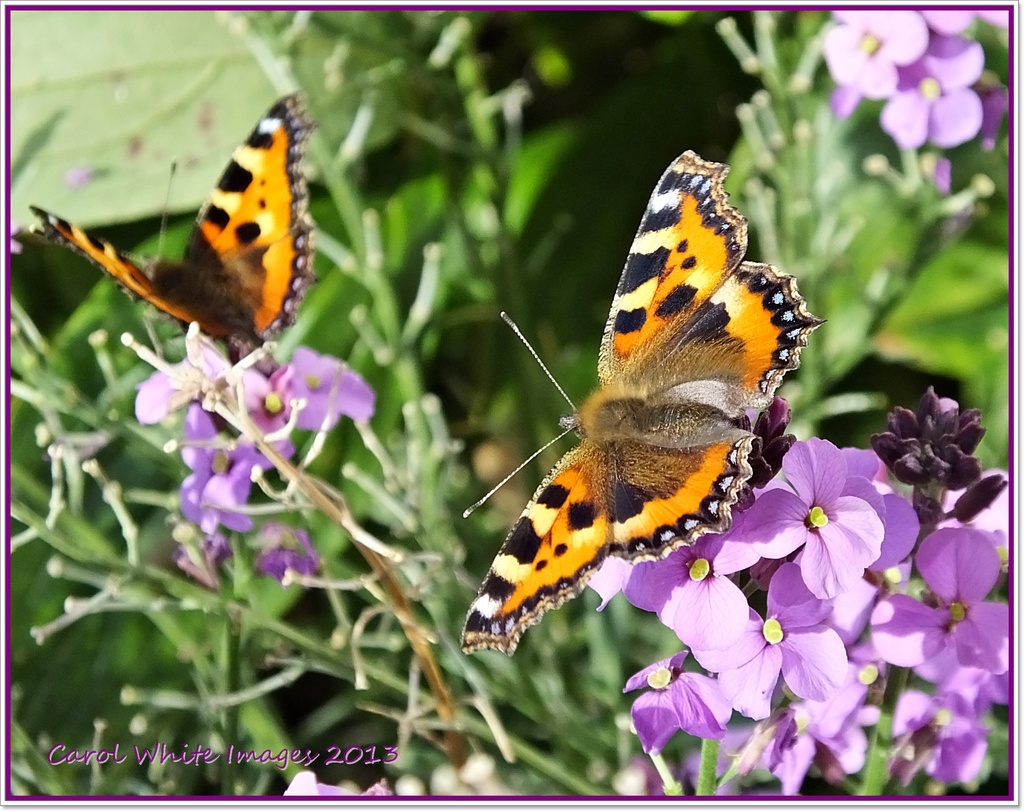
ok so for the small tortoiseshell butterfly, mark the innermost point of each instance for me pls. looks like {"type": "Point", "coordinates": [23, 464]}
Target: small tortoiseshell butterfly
{"type": "Point", "coordinates": [250, 257]}
{"type": "Point", "coordinates": [695, 337]}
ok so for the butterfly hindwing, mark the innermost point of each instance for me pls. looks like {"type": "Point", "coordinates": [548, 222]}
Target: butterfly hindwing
{"type": "Point", "coordinates": [557, 543]}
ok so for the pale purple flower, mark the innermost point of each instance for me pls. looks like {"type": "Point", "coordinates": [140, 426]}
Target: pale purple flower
{"type": "Point", "coordinates": [934, 99]}
{"type": "Point", "coordinates": [995, 16]}
{"type": "Point", "coordinates": [692, 594]}
{"type": "Point", "coordinates": [220, 480]}
{"type": "Point", "coordinates": [948, 21]}
{"type": "Point", "coordinates": [610, 579]}
{"type": "Point", "coordinates": [793, 641]}
{"type": "Point", "coordinates": [79, 176]}
{"type": "Point", "coordinates": [268, 400]}
{"type": "Point", "coordinates": [864, 50]}
{"type": "Point", "coordinates": [14, 244]}
{"type": "Point", "coordinates": [941, 732]}
{"type": "Point", "coordinates": [676, 701]}
{"type": "Point", "coordinates": [960, 567]}
{"type": "Point", "coordinates": [158, 394]}
{"type": "Point", "coordinates": [902, 527]}
{"type": "Point", "coordinates": [831, 515]}
{"type": "Point", "coordinates": [305, 784]}
{"type": "Point", "coordinates": [330, 389]}
{"type": "Point", "coordinates": [285, 548]}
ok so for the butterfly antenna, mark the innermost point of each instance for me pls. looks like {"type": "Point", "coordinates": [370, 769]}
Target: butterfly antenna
{"type": "Point", "coordinates": [508, 320]}
{"type": "Point", "coordinates": [466, 513]}
{"type": "Point", "coordinates": [167, 205]}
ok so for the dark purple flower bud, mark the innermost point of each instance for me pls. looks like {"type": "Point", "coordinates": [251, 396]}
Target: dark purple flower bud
{"type": "Point", "coordinates": [933, 445]}
{"type": "Point", "coordinates": [215, 550]}
{"type": "Point", "coordinates": [978, 497]}
{"type": "Point", "coordinates": [766, 456]}
{"type": "Point", "coordinates": [286, 548]}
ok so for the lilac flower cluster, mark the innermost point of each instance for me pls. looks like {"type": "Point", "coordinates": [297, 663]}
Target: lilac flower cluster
{"type": "Point", "coordinates": [220, 481]}
{"type": "Point", "coordinates": [828, 582]}
{"type": "Point", "coordinates": [919, 61]}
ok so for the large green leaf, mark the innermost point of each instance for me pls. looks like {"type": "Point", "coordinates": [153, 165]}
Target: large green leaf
{"type": "Point", "coordinates": [124, 94]}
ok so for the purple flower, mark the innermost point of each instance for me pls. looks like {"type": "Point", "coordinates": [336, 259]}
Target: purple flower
{"type": "Point", "coordinates": [78, 176]}
{"type": "Point", "coordinates": [793, 641]}
{"type": "Point", "coordinates": [864, 50]}
{"type": "Point", "coordinates": [159, 393]}
{"type": "Point", "coordinates": [15, 245]}
{"type": "Point", "coordinates": [940, 732]}
{"type": "Point", "coordinates": [692, 594]}
{"type": "Point", "coordinates": [677, 701]}
{"type": "Point", "coordinates": [960, 567]}
{"type": "Point", "coordinates": [947, 21]}
{"type": "Point", "coordinates": [305, 784]}
{"type": "Point", "coordinates": [831, 515]}
{"type": "Point", "coordinates": [220, 481]}
{"type": "Point", "coordinates": [995, 16]}
{"type": "Point", "coordinates": [934, 100]}
{"type": "Point", "coordinates": [215, 550]}
{"type": "Point", "coordinates": [285, 548]}
{"type": "Point", "coordinates": [610, 579]}
{"type": "Point", "coordinates": [268, 400]}
{"type": "Point", "coordinates": [330, 389]}
{"type": "Point", "coordinates": [901, 530]}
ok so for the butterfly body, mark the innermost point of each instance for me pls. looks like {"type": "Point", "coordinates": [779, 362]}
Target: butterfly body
{"type": "Point", "coordinates": [249, 260]}
{"type": "Point", "coordinates": [694, 339]}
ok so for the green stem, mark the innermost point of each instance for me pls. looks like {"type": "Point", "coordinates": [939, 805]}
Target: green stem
{"type": "Point", "coordinates": [232, 682]}
{"type": "Point", "coordinates": [876, 769]}
{"type": "Point", "coordinates": [707, 778]}
{"type": "Point", "coordinates": [672, 787]}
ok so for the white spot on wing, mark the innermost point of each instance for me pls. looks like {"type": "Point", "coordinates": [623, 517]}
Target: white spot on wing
{"type": "Point", "coordinates": [268, 126]}
{"type": "Point", "coordinates": [485, 606]}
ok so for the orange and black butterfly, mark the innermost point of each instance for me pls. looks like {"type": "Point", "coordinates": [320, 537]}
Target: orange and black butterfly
{"type": "Point", "coordinates": [250, 257]}
{"type": "Point", "coordinates": [695, 337]}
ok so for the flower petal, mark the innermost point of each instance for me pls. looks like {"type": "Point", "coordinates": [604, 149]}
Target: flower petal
{"type": "Point", "coordinates": [750, 686]}
{"type": "Point", "coordinates": [814, 663]}
{"type": "Point", "coordinates": [905, 632]}
{"type": "Point", "coordinates": [958, 564]}
{"type": "Point", "coordinates": [983, 639]}
{"type": "Point", "coordinates": [817, 471]}
{"type": "Point", "coordinates": [955, 118]}
{"type": "Point", "coordinates": [905, 118]}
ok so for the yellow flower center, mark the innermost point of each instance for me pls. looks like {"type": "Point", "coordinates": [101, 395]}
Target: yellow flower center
{"type": "Point", "coordinates": [221, 463]}
{"type": "Point", "coordinates": [772, 631]}
{"type": "Point", "coordinates": [868, 674]}
{"type": "Point", "coordinates": [700, 569]}
{"type": "Point", "coordinates": [660, 678]}
{"type": "Point", "coordinates": [313, 382]}
{"type": "Point", "coordinates": [957, 611]}
{"type": "Point", "coordinates": [930, 88]}
{"type": "Point", "coordinates": [870, 44]}
{"type": "Point", "coordinates": [816, 518]}
{"type": "Point", "coordinates": [272, 403]}
{"type": "Point", "coordinates": [943, 717]}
